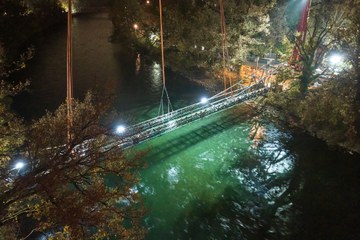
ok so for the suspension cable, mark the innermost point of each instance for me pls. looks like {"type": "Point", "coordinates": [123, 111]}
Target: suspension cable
{"type": "Point", "coordinates": [164, 90]}
{"type": "Point", "coordinates": [222, 40]}
{"type": "Point", "coordinates": [225, 52]}
{"type": "Point", "coordinates": [69, 80]}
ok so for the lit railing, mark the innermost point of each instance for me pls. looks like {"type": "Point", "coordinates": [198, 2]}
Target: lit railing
{"type": "Point", "coordinates": [226, 99]}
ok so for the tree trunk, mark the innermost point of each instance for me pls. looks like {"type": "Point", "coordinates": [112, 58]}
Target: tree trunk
{"type": "Point", "coordinates": [305, 79]}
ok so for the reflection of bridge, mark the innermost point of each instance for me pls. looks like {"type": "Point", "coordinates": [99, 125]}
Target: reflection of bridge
{"type": "Point", "coordinates": [226, 99]}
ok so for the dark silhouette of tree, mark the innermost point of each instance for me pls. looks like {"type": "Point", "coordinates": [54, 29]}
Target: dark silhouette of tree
{"type": "Point", "coordinates": [67, 190]}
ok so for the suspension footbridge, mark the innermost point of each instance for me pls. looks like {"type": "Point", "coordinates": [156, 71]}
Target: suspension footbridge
{"type": "Point", "coordinates": [170, 121]}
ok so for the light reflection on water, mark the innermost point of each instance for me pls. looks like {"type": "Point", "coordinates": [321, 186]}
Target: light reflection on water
{"type": "Point", "coordinates": [209, 182]}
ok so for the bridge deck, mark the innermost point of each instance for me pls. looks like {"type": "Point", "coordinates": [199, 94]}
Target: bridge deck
{"type": "Point", "coordinates": [226, 99]}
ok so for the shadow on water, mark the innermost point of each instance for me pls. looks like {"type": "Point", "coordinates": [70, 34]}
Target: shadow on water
{"type": "Point", "coordinates": [291, 187]}
{"type": "Point", "coordinates": [329, 198]}
{"type": "Point", "coordinates": [228, 218]}
{"type": "Point", "coordinates": [160, 151]}
{"type": "Point", "coordinates": [255, 208]}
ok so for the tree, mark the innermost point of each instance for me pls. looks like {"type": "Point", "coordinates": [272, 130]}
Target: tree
{"type": "Point", "coordinates": [194, 32]}
{"type": "Point", "coordinates": [325, 19]}
{"type": "Point", "coordinates": [124, 15]}
{"type": "Point", "coordinates": [11, 127]}
{"type": "Point", "coordinates": [44, 8]}
{"type": "Point", "coordinates": [20, 19]}
{"type": "Point", "coordinates": [249, 27]}
{"type": "Point", "coordinates": [79, 190]}
{"type": "Point", "coordinates": [348, 38]}
{"type": "Point", "coordinates": [192, 36]}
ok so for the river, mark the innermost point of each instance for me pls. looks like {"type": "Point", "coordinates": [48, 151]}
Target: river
{"type": "Point", "coordinates": [232, 175]}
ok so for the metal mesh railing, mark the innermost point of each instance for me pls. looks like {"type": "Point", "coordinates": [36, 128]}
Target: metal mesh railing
{"type": "Point", "coordinates": [159, 125]}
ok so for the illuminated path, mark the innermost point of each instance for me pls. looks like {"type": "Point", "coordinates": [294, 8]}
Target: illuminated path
{"type": "Point", "coordinates": [226, 99]}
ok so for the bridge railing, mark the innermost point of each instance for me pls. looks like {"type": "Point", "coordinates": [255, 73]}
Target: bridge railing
{"type": "Point", "coordinates": [179, 122]}
{"type": "Point", "coordinates": [236, 89]}
{"type": "Point", "coordinates": [181, 112]}
{"type": "Point", "coordinates": [164, 127]}
{"type": "Point", "coordinates": [164, 123]}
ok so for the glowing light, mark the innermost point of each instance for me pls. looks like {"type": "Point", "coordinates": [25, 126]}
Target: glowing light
{"type": "Point", "coordinates": [136, 27]}
{"type": "Point", "coordinates": [19, 165]}
{"type": "Point", "coordinates": [120, 129]}
{"type": "Point", "coordinates": [64, 5]}
{"type": "Point", "coordinates": [204, 100]}
{"type": "Point", "coordinates": [172, 124]}
{"type": "Point", "coordinates": [335, 59]}
{"type": "Point", "coordinates": [154, 38]}
{"type": "Point", "coordinates": [147, 2]}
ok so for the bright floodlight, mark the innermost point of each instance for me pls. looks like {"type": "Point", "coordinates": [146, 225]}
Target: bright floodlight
{"type": "Point", "coordinates": [335, 59]}
{"type": "Point", "coordinates": [120, 129]}
{"type": "Point", "coordinates": [204, 100]}
{"type": "Point", "coordinates": [19, 165]}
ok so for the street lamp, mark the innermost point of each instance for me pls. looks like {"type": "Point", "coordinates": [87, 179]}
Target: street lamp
{"type": "Point", "coordinates": [335, 59]}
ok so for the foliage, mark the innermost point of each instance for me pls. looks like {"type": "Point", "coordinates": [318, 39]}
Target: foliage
{"type": "Point", "coordinates": [330, 111]}
{"type": "Point", "coordinates": [248, 27]}
{"type": "Point", "coordinates": [192, 37]}
{"type": "Point", "coordinates": [348, 40]}
{"type": "Point", "coordinates": [65, 189]}
{"type": "Point", "coordinates": [11, 128]}
{"type": "Point", "coordinates": [327, 111]}
{"type": "Point", "coordinates": [44, 8]}
{"type": "Point", "coordinates": [278, 23]}
{"type": "Point", "coordinates": [20, 19]}
{"type": "Point", "coordinates": [124, 14]}
{"type": "Point", "coordinates": [284, 49]}
{"type": "Point", "coordinates": [80, 5]}
{"type": "Point", "coordinates": [325, 18]}
{"type": "Point", "coordinates": [12, 131]}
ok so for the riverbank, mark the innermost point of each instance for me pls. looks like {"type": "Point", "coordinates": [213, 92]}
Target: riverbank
{"type": "Point", "coordinates": [200, 76]}
{"type": "Point", "coordinates": [278, 114]}
{"type": "Point", "coordinates": [332, 137]}
{"type": "Point", "coordinates": [336, 129]}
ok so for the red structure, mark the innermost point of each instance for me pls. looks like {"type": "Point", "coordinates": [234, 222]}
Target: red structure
{"type": "Point", "coordinates": [301, 29]}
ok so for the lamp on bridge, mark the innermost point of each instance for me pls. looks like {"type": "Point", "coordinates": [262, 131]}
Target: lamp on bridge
{"type": "Point", "coordinates": [204, 100]}
{"type": "Point", "coordinates": [120, 129]}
